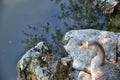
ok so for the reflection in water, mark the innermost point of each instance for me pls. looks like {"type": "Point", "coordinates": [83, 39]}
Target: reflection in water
{"type": "Point", "coordinates": [84, 14]}
{"type": "Point", "coordinates": [73, 14]}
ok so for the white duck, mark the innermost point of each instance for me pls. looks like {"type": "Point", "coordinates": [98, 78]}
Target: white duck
{"type": "Point", "coordinates": [101, 70]}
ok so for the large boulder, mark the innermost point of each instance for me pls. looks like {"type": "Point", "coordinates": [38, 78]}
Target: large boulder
{"type": "Point", "coordinates": [82, 58]}
{"type": "Point", "coordinates": [38, 63]}
{"type": "Point", "coordinates": [33, 65]}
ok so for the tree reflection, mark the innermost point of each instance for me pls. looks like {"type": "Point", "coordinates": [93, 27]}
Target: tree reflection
{"type": "Point", "coordinates": [83, 13]}
{"type": "Point", "coordinates": [75, 14]}
{"type": "Point", "coordinates": [114, 23]}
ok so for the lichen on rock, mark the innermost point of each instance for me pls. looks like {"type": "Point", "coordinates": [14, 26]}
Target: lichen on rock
{"type": "Point", "coordinates": [39, 64]}
{"type": "Point", "coordinates": [34, 64]}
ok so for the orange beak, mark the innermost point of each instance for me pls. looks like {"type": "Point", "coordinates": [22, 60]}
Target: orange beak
{"type": "Point", "coordinates": [84, 46]}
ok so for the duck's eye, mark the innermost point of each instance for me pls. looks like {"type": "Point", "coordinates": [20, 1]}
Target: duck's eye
{"type": "Point", "coordinates": [80, 44]}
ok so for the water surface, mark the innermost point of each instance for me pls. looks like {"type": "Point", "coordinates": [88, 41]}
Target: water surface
{"type": "Point", "coordinates": [15, 15]}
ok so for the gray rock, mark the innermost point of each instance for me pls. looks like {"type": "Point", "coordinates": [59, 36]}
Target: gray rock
{"type": "Point", "coordinates": [82, 58]}
{"type": "Point", "coordinates": [33, 65]}
{"type": "Point", "coordinates": [84, 76]}
{"type": "Point", "coordinates": [118, 43]}
{"type": "Point", "coordinates": [39, 64]}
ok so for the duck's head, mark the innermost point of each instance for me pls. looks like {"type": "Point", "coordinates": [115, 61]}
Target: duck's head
{"type": "Point", "coordinates": [90, 44]}
{"type": "Point", "coordinates": [84, 46]}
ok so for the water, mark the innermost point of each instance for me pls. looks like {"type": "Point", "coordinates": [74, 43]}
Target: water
{"type": "Point", "coordinates": [15, 16]}
{"type": "Point", "coordinates": [52, 20]}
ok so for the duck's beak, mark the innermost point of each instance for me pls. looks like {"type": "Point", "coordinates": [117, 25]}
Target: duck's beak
{"type": "Point", "coordinates": [84, 46]}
